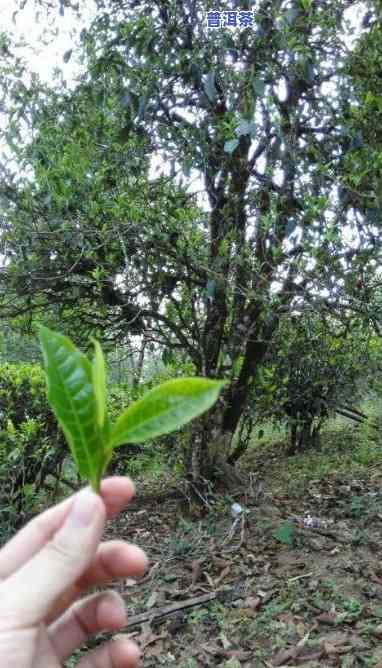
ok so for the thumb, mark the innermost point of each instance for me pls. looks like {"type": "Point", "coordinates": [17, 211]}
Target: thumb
{"type": "Point", "coordinates": [28, 595]}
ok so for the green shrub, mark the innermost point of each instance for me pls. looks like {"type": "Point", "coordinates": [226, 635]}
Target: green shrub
{"type": "Point", "coordinates": [31, 445]}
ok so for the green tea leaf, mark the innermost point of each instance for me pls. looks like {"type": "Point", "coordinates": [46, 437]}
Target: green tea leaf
{"type": "Point", "coordinates": [164, 409]}
{"type": "Point", "coordinates": [72, 397]}
{"type": "Point", "coordinates": [99, 382]}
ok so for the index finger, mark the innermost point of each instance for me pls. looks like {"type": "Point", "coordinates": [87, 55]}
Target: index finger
{"type": "Point", "coordinates": [116, 492]}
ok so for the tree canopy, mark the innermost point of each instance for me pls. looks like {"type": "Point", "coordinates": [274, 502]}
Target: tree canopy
{"type": "Point", "coordinates": [276, 121]}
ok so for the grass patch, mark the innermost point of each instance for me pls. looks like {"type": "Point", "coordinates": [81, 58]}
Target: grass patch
{"type": "Point", "coordinates": [344, 451]}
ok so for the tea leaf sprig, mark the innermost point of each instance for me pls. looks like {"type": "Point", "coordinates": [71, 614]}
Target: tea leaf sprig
{"type": "Point", "coordinates": [77, 393]}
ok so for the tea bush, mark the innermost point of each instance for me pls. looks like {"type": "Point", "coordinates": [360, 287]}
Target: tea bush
{"type": "Point", "coordinates": [31, 445]}
{"type": "Point", "coordinates": [33, 448]}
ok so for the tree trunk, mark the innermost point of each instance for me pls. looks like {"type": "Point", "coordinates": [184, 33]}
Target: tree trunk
{"type": "Point", "coordinates": [303, 435]}
{"type": "Point", "coordinates": [244, 437]}
{"type": "Point", "coordinates": [139, 367]}
{"type": "Point", "coordinates": [316, 436]}
{"type": "Point", "coordinates": [207, 451]}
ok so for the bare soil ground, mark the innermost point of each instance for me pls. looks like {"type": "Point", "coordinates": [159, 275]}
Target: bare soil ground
{"type": "Point", "coordinates": [294, 580]}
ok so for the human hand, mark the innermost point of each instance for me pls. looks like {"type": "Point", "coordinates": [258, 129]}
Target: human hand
{"type": "Point", "coordinates": [44, 569]}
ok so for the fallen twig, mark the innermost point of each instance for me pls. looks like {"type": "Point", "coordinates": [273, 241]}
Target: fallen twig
{"type": "Point", "coordinates": [150, 615]}
{"type": "Point", "coordinates": [300, 577]}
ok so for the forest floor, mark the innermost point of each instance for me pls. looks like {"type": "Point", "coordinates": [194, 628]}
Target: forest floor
{"type": "Point", "coordinates": [294, 580]}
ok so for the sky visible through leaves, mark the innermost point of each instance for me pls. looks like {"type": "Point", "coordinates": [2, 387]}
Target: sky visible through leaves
{"type": "Point", "coordinates": [45, 54]}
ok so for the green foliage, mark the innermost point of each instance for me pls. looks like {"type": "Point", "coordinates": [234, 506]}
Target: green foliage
{"type": "Point", "coordinates": [317, 366]}
{"type": "Point", "coordinates": [285, 533]}
{"type": "Point", "coordinates": [72, 394]}
{"type": "Point", "coordinates": [31, 447]}
{"type": "Point", "coordinates": [77, 393]}
{"type": "Point", "coordinates": [15, 347]}
{"type": "Point", "coordinates": [20, 393]}
{"type": "Point", "coordinates": [189, 663]}
{"type": "Point", "coordinates": [288, 150]}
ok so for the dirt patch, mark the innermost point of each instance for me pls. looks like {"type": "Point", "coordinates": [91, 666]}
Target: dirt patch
{"type": "Point", "coordinates": [289, 581]}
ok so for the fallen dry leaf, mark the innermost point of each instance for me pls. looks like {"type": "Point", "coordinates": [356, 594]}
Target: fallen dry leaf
{"type": "Point", "coordinates": [210, 649]}
{"type": "Point", "coordinates": [283, 656]}
{"type": "Point", "coordinates": [308, 656]}
{"type": "Point", "coordinates": [333, 650]}
{"type": "Point", "coordinates": [219, 562]}
{"type": "Point", "coordinates": [329, 618]}
{"type": "Point", "coordinates": [196, 568]}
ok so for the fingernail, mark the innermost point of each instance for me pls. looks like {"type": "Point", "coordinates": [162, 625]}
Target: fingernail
{"type": "Point", "coordinates": [83, 509]}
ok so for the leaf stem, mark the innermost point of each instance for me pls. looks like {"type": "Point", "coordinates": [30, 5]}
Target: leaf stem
{"type": "Point", "coordinates": [96, 485]}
